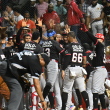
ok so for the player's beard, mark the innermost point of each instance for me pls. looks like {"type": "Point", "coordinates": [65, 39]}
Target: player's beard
{"type": "Point", "coordinates": [50, 11]}
{"type": "Point", "coordinates": [93, 5]}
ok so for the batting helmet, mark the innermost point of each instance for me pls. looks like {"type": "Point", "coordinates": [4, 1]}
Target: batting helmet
{"type": "Point", "coordinates": [108, 1]}
{"type": "Point", "coordinates": [99, 36]}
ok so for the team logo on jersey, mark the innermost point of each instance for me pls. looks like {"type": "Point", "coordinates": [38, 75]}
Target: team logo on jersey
{"type": "Point", "coordinates": [98, 8]}
{"type": "Point", "coordinates": [91, 56]}
{"type": "Point", "coordinates": [47, 44]}
{"type": "Point", "coordinates": [2, 56]}
{"type": "Point", "coordinates": [77, 48]}
{"type": "Point", "coordinates": [30, 46]}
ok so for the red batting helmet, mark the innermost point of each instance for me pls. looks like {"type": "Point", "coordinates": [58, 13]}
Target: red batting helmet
{"type": "Point", "coordinates": [99, 36]}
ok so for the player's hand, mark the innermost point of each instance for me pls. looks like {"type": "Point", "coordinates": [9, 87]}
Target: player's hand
{"type": "Point", "coordinates": [83, 27]}
{"type": "Point", "coordinates": [39, 22]}
{"type": "Point", "coordinates": [24, 22]}
{"type": "Point", "coordinates": [63, 74]}
{"type": "Point", "coordinates": [44, 105]}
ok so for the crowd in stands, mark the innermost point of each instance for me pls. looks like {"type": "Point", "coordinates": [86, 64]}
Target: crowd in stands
{"type": "Point", "coordinates": [57, 15]}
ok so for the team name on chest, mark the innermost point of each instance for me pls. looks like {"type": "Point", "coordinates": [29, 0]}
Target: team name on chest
{"type": "Point", "coordinates": [29, 46]}
{"type": "Point", "coordinates": [47, 44]}
{"type": "Point", "coordinates": [77, 48]}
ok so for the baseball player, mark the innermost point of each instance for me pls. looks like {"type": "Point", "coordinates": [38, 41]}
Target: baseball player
{"type": "Point", "coordinates": [34, 47]}
{"type": "Point", "coordinates": [89, 69]}
{"type": "Point", "coordinates": [52, 49]}
{"type": "Point", "coordinates": [11, 50]}
{"type": "Point", "coordinates": [72, 68]}
{"type": "Point", "coordinates": [100, 72]}
{"type": "Point", "coordinates": [19, 64]}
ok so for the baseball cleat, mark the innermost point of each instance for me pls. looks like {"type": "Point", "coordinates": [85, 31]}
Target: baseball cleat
{"type": "Point", "coordinates": [80, 108]}
{"type": "Point", "coordinates": [72, 107]}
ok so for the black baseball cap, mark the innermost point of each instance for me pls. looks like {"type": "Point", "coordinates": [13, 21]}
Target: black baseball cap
{"type": "Point", "coordinates": [35, 35]}
{"type": "Point", "coordinates": [46, 58]}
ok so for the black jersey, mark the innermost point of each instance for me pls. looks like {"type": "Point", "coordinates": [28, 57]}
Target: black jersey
{"type": "Point", "coordinates": [74, 55]}
{"type": "Point", "coordinates": [2, 56]}
{"type": "Point", "coordinates": [89, 67]}
{"type": "Point", "coordinates": [64, 45]}
{"type": "Point", "coordinates": [99, 57]}
{"type": "Point", "coordinates": [25, 62]}
{"type": "Point", "coordinates": [10, 51]}
{"type": "Point", "coordinates": [89, 56]}
{"type": "Point", "coordinates": [52, 49]}
{"type": "Point", "coordinates": [33, 46]}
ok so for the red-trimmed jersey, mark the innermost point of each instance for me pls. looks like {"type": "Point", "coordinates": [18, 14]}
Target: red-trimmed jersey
{"type": "Point", "coordinates": [52, 49]}
{"type": "Point", "coordinates": [89, 67]}
{"type": "Point", "coordinates": [99, 58]}
{"type": "Point", "coordinates": [77, 52]}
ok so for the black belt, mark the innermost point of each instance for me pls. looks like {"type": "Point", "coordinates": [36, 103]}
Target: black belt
{"type": "Point", "coordinates": [75, 65]}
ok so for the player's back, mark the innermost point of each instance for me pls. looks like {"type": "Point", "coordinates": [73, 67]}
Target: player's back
{"type": "Point", "coordinates": [33, 46]}
{"type": "Point", "coordinates": [10, 51]}
{"type": "Point", "coordinates": [52, 49]}
{"type": "Point", "coordinates": [99, 57]}
{"type": "Point", "coordinates": [77, 52]}
{"type": "Point", "coordinates": [24, 62]}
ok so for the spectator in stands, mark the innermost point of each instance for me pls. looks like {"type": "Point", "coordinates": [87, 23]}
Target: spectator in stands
{"type": "Point", "coordinates": [44, 33]}
{"type": "Point", "coordinates": [40, 8]}
{"type": "Point", "coordinates": [10, 42]}
{"type": "Point", "coordinates": [7, 21]}
{"type": "Point", "coordinates": [32, 8]}
{"type": "Point", "coordinates": [96, 14]}
{"type": "Point", "coordinates": [67, 28]}
{"type": "Point", "coordinates": [58, 37]}
{"type": "Point", "coordinates": [58, 29]}
{"type": "Point", "coordinates": [50, 17]}
{"type": "Point", "coordinates": [18, 17]}
{"type": "Point", "coordinates": [107, 17]}
{"type": "Point", "coordinates": [17, 13]}
{"type": "Point", "coordinates": [25, 30]}
{"type": "Point", "coordinates": [48, 1]}
{"type": "Point", "coordinates": [29, 22]}
{"type": "Point", "coordinates": [83, 8]}
{"type": "Point", "coordinates": [61, 11]}
{"type": "Point", "coordinates": [54, 2]}
{"type": "Point", "coordinates": [74, 19]}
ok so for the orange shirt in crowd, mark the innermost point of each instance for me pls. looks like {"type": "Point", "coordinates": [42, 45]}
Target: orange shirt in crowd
{"type": "Point", "coordinates": [29, 22]}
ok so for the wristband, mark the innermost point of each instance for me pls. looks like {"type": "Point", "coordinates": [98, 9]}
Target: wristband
{"type": "Point", "coordinates": [41, 101]}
